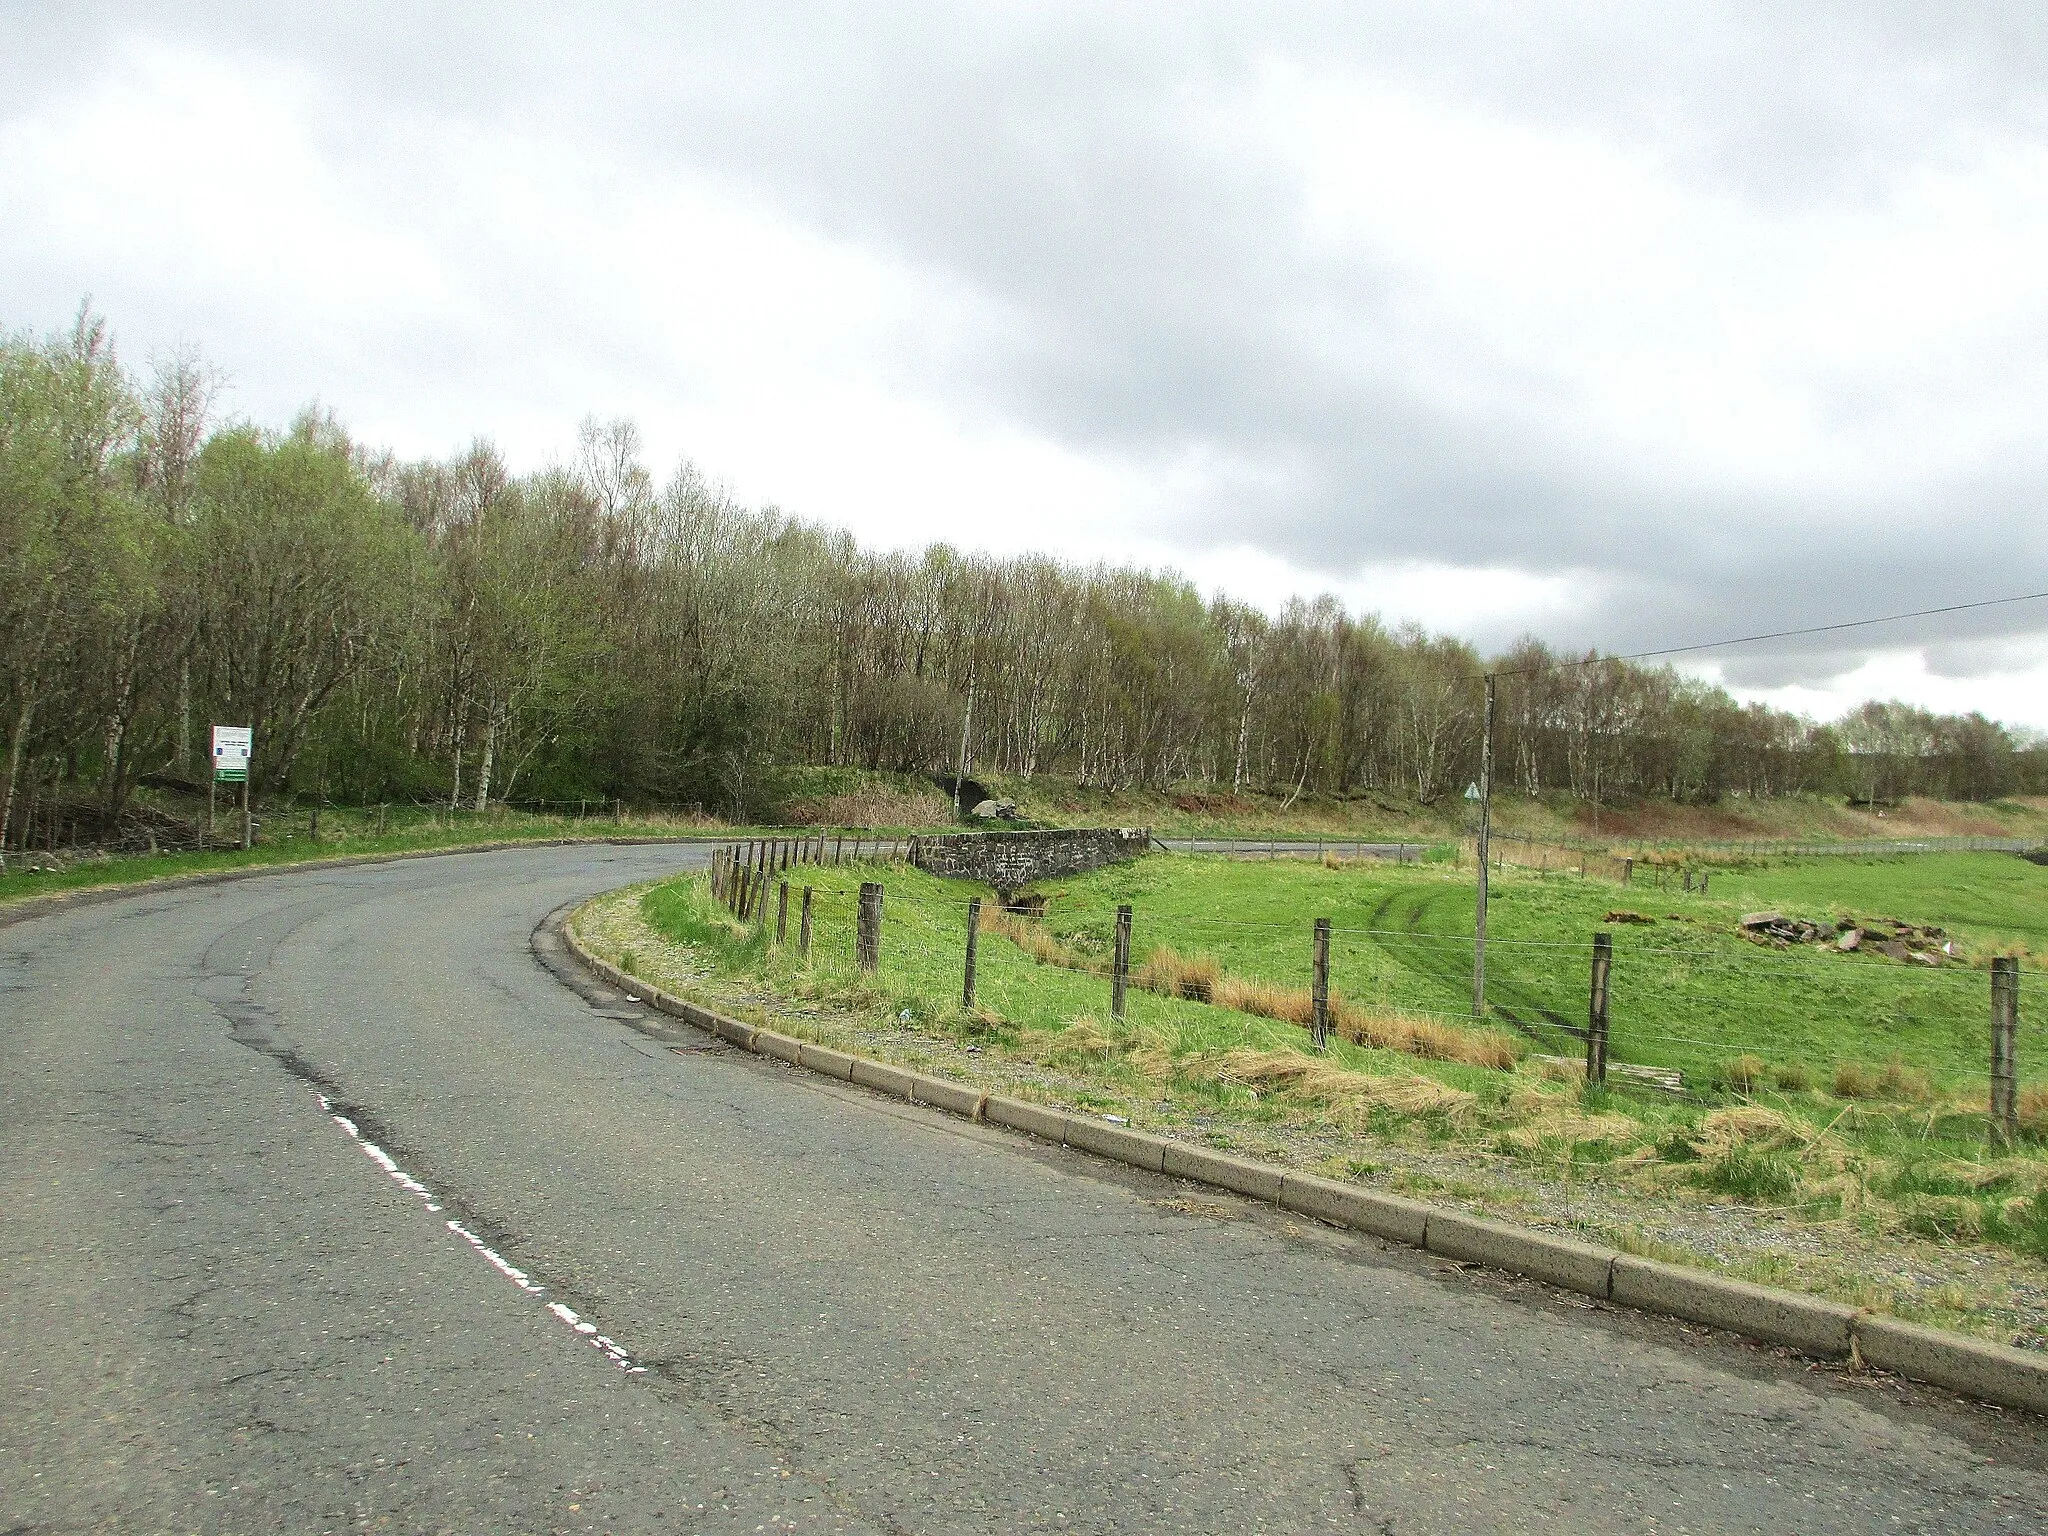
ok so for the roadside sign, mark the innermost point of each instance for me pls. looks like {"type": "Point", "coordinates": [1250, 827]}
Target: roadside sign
{"type": "Point", "coordinates": [231, 744]}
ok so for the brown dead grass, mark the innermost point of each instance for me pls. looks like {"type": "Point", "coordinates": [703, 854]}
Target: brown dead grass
{"type": "Point", "coordinates": [1166, 971]}
{"type": "Point", "coordinates": [1894, 1080]}
{"type": "Point", "coordinates": [1745, 1125]}
{"type": "Point", "coordinates": [1202, 979]}
{"type": "Point", "coordinates": [1559, 1124]}
{"type": "Point", "coordinates": [1035, 939]}
{"type": "Point", "coordinates": [1320, 1080]}
{"type": "Point", "coordinates": [2034, 1109]}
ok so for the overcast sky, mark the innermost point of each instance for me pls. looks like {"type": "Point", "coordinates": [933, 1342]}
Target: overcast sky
{"type": "Point", "coordinates": [1629, 325]}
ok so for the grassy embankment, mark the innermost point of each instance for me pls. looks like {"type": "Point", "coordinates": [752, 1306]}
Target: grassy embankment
{"type": "Point", "coordinates": [288, 839]}
{"type": "Point", "coordinates": [1209, 810]}
{"type": "Point", "coordinates": [861, 797]}
{"type": "Point", "coordinates": [1835, 1092]}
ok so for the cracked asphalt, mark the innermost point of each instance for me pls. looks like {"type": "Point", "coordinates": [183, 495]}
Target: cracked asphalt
{"type": "Point", "coordinates": [219, 1314]}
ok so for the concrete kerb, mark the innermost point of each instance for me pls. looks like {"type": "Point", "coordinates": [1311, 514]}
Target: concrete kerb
{"type": "Point", "coordinates": [1580, 1267]}
{"type": "Point", "coordinates": [1805, 1323]}
{"type": "Point", "coordinates": [1828, 1330]}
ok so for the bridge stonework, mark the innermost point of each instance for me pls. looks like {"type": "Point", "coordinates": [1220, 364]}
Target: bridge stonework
{"type": "Point", "coordinates": [1009, 861]}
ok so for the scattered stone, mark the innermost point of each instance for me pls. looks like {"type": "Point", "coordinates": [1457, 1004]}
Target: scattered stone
{"type": "Point", "coordinates": [1849, 940]}
{"type": "Point", "coordinates": [1627, 917]}
{"type": "Point", "coordinates": [1776, 928]}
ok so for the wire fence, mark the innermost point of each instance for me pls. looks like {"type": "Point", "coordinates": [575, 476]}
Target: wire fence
{"type": "Point", "coordinates": [1689, 1016]}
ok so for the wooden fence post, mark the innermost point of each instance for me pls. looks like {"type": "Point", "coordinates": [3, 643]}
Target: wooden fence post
{"type": "Point", "coordinates": [973, 935]}
{"type": "Point", "coordinates": [803, 932]}
{"type": "Point", "coordinates": [1628, 871]}
{"type": "Point", "coordinates": [782, 912]}
{"type": "Point", "coordinates": [867, 939]}
{"type": "Point", "coordinates": [838, 847]}
{"type": "Point", "coordinates": [2005, 1067]}
{"type": "Point", "coordinates": [1120, 966]}
{"type": "Point", "coordinates": [1596, 1011]}
{"type": "Point", "coordinates": [1320, 1018]}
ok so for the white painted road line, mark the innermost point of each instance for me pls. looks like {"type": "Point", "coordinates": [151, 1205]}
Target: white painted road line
{"type": "Point", "coordinates": [609, 1348]}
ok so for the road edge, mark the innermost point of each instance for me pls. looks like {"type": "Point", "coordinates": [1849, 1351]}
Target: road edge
{"type": "Point", "coordinates": [28, 907]}
{"type": "Point", "coordinates": [1811, 1325]}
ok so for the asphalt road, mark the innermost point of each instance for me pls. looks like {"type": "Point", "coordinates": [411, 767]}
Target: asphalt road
{"type": "Point", "coordinates": [820, 1310]}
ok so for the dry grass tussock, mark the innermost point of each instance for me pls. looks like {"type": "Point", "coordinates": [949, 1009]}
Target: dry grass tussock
{"type": "Point", "coordinates": [1202, 979]}
{"type": "Point", "coordinates": [1318, 1079]}
{"type": "Point", "coordinates": [1747, 1125]}
{"type": "Point", "coordinates": [1559, 1123]}
{"type": "Point", "coordinates": [1035, 939]}
{"type": "Point", "coordinates": [1431, 1039]}
{"type": "Point", "coordinates": [1171, 974]}
{"type": "Point", "coordinates": [1081, 1038]}
{"type": "Point", "coordinates": [1894, 1080]}
{"type": "Point", "coordinates": [2034, 1108]}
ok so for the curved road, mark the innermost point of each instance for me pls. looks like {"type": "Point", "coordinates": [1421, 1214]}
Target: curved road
{"type": "Point", "coordinates": [819, 1310]}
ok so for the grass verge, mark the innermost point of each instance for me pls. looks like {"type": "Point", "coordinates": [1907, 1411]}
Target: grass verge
{"type": "Point", "coordinates": [1892, 1205]}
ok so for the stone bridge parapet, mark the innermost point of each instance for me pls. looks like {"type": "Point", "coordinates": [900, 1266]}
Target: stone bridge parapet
{"type": "Point", "coordinates": [1009, 861]}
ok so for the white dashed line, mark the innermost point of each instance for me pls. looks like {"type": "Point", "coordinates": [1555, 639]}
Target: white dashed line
{"type": "Point", "coordinates": [609, 1348]}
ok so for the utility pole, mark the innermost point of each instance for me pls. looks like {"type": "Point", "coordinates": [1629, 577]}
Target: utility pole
{"type": "Point", "coordinates": [1485, 833]}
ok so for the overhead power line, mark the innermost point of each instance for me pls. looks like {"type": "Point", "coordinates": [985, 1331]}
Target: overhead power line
{"type": "Point", "coordinates": [1780, 634]}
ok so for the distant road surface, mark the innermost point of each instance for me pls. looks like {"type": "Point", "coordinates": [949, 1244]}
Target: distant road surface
{"type": "Point", "coordinates": [228, 1306]}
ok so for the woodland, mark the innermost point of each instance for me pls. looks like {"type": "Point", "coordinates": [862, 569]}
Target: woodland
{"type": "Point", "coordinates": [448, 631]}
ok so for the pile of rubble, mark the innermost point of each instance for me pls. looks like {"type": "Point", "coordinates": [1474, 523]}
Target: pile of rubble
{"type": "Point", "coordinates": [1917, 943]}
{"type": "Point", "coordinates": [1776, 929]}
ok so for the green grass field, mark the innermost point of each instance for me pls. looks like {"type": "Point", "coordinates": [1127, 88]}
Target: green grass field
{"type": "Point", "coordinates": [1905, 1148]}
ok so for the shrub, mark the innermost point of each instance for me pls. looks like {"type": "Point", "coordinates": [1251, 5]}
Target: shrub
{"type": "Point", "coordinates": [1853, 1082]}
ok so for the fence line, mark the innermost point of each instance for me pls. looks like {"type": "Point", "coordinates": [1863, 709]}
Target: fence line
{"type": "Point", "coordinates": [1542, 1003]}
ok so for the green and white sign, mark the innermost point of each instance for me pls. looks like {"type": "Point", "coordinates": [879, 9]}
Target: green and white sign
{"type": "Point", "coordinates": [231, 744]}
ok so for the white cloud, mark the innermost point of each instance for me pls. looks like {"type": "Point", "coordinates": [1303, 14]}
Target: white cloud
{"type": "Point", "coordinates": [2016, 692]}
{"type": "Point", "coordinates": [1625, 332]}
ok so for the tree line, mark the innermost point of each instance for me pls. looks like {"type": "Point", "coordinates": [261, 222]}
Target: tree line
{"type": "Point", "coordinates": [448, 630]}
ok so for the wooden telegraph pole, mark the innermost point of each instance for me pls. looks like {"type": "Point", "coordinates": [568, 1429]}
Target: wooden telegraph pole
{"type": "Point", "coordinates": [1485, 831]}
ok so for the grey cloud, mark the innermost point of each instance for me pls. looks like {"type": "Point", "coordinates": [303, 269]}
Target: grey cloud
{"type": "Point", "coordinates": [1160, 297]}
